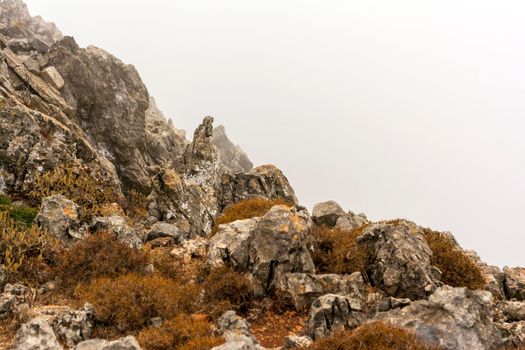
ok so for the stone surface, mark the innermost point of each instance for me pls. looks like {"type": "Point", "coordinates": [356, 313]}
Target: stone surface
{"type": "Point", "coordinates": [400, 259]}
{"type": "Point", "coordinates": [59, 216]}
{"type": "Point", "coordinates": [232, 156]}
{"type": "Point", "coordinates": [294, 342]}
{"type": "Point", "coordinates": [327, 213]}
{"type": "Point", "coordinates": [37, 334]}
{"type": "Point", "coordinates": [118, 226]}
{"type": "Point", "coordinates": [452, 318]}
{"type": "Point", "coordinates": [13, 296]}
{"type": "Point", "coordinates": [331, 313]}
{"type": "Point", "coordinates": [513, 310]}
{"type": "Point", "coordinates": [351, 221]}
{"type": "Point", "coordinates": [127, 343]}
{"type": "Point", "coordinates": [515, 282]}
{"type": "Point", "coordinates": [3, 278]}
{"type": "Point", "coordinates": [301, 289]}
{"type": "Point", "coordinates": [163, 229]}
{"type": "Point", "coordinates": [190, 249]}
{"type": "Point", "coordinates": [513, 334]}
{"type": "Point", "coordinates": [236, 332]}
{"type": "Point", "coordinates": [53, 77]}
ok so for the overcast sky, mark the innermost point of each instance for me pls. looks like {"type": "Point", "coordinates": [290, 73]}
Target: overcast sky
{"type": "Point", "coordinates": [411, 109]}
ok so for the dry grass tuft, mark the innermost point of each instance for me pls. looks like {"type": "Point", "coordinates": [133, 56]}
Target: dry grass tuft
{"type": "Point", "coordinates": [457, 267]}
{"type": "Point", "coordinates": [372, 336]}
{"type": "Point", "coordinates": [336, 251]}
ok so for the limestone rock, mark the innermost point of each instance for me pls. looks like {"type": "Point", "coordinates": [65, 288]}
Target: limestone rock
{"type": "Point", "coordinates": [192, 248]}
{"type": "Point", "coordinates": [513, 334]}
{"type": "Point", "coordinates": [119, 228]}
{"type": "Point", "coordinates": [327, 213]}
{"type": "Point", "coordinates": [59, 216]}
{"type": "Point", "coordinates": [351, 221]}
{"type": "Point", "coordinates": [36, 335]}
{"type": "Point", "coordinates": [452, 318]}
{"type": "Point", "coordinates": [400, 260]}
{"type": "Point", "coordinates": [332, 313]}
{"type": "Point", "coordinates": [231, 155]}
{"type": "Point", "coordinates": [236, 332]}
{"type": "Point", "coordinates": [294, 342]}
{"type": "Point", "coordinates": [163, 229]}
{"type": "Point", "coordinates": [515, 282]}
{"type": "Point", "coordinates": [53, 77]}
{"type": "Point", "coordinates": [513, 310]}
{"type": "Point", "coordinates": [301, 289]}
{"type": "Point", "coordinates": [13, 296]}
{"type": "Point", "coordinates": [127, 343]}
{"type": "Point", "coordinates": [493, 275]}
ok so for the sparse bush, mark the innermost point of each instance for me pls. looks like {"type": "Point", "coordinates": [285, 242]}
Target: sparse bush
{"type": "Point", "coordinates": [128, 302]}
{"type": "Point", "coordinates": [458, 269]}
{"type": "Point", "coordinates": [225, 289]}
{"type": "Point", "coordinates": [4, 200]}
{"type": "Point", "coordinates": [247, 209]}
{"type": "Point", "coordinates": [181, 332]}
{"type": "Point", "coordinates": [78, 183]}
{"type": "Point", "coordinates": [336, 251]}
{"type": "Point", "coordinates": [98, 255]}
{"type": "Point", "coordinates": [372, 336]}
{"type": "Point", "coordinates": [24, 215]}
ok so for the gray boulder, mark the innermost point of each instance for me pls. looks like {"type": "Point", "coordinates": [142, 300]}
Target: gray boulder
{"type": "Point", "coordinates": [515, 282]}
{"type": "Point", "coordinates": [53, 77]}
{"type": "Point", "coordinates": [513, 310]}
{"type": "Point", "coordinates": [452, 318]}
{"type": "Point", "coordinates": [400, 259]}
{"type": "Point", "coordinates": [295, 342]}
{"type": "Point", "coordinates": [117, 226]}
{"type": "Point", "coordinates": [74, 326]}
{"type": "Point", "coordinates": [127, 343]}
{"type": "Point", "coordinates": [331, 313]}
{"type": "Point", "coordinates": [236, 332]}
{"type": "Point", "coordinates": [163, 229]}
{"type": "Point", "coordinates": [189, 249]}
{"type": "Point", "coordinates": [513, 334]}
{"type": "Point", "coordinates": [232, 156]}
{"type": "Point", "coordinates": [59, 216]}
{"type": "Point", "coordinates": [12, 298]}
{"type": "Point", "coordinates": [327, 213]}
{"type": "Point", "coordinates": [351, 221]}
{"type": "Point", "coordinates": [301, 289]}
{"type": "Point", "coordinates": [37, 334]}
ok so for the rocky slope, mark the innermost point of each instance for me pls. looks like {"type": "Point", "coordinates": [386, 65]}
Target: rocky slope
{"type": "Point", "coordinates": [144, 239]}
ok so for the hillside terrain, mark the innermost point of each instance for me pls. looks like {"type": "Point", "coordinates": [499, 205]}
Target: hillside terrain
{"type": "Point", "coordinates": [118, 232]}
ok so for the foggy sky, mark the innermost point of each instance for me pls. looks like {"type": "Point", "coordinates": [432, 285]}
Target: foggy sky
{"type": "Point", "coordinates": [399, 109]}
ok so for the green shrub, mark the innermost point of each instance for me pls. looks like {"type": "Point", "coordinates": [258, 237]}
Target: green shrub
{"type": "Point", "coordinates": [458, 269]}
{"type": "Point", "coordinates": [181, 332]}
{"type": "Point", "coordinates": [24, 215]}
{"type": "Point", "coordinates": [372, 336]}
{"type": "Point", "coordinates": [336, 251]}
{"type": "Point", "coordinates": [4, 200]}
{"type": "Point", "coordinates": [126, 303]}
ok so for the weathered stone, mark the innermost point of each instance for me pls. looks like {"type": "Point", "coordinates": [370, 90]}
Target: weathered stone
{"type": "Point", "coordinates": [59, 216]}
{"type": "Point", "coordinates": [236, 332]}
{"type": "Point", "coordinates": [301, 289]}
{"type": "Point", "coordinates": [193, 248]}
{"type": "Point", "coordinates": [119, 228]}
{"type": "Point", "coordinates": [163, 229]}
{"type": "Point", "coordinates": [515, 282]}
{"type": "Point", "coordinates": [513, 334]}
{"type": "Point", "coordinates": [232, 156]}
{"type": "Point", "coordinates": [351, 221]}
{"type": "Point", "coordinates": [327, 213]}
{"type": "Point", "coordinates": [127, 343]}
{"type": "Point", "coordinates": [37, 334]}
{"type": "Point", "coordinates": [53, 77]}
{"type": "Point", "coordinates": [13, 296]}
{"type": "Point", "coordinates": [513, 310]}
{"type": "Point", "coordinates": [400, 259]}
{"type": "Point", "coordinates": [297, 342]}
{"type": "Point", "coordinates": [493, 276]}
{"type": "Point", "coordinates": [452, 318]}
{"type": "Point", "coordinates": [332, 313]}
{"type": "Point", "coordinates": [75, 326]}
{"type": "Point", "coordinates": [40, 46]}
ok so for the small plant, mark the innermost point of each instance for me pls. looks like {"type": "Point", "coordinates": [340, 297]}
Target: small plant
{"type": "Point", "coordinates": [4, 200]}
{"type": "Point", "coordinates": [336, 251]}
{"type": "Point", "coordinates": [372, 336]}
{"type": "Point", "coordinates": [128, 302]}
{"type": "Point", "coordinates": [78, 183]}
{"type": "Point", "coordinates": [24, 215]}
{"type": "Point", "coordinates": [98, 255]}
{"type": "Point", "coordinates": [247, 209]}
{"type": "Point", "coordinates": [181, 332]}
{"type": "Point", "coordinates": [458, 269]}
{"type": "Point", "coordinates": [225, 289]}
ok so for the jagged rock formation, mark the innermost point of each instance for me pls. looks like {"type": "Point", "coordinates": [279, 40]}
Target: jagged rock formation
{"type": "Point", "coordinates": [232, 156]}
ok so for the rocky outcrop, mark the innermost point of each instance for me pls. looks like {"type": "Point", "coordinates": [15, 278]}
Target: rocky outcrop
{"type": "Point", "coordinates": [13, 296]}
{"type": "Point", "coordinates": [127, 343]}
{"type": "Point", "coordinates": [515, 282]}
{"type": "Point", "coordinates": [351, 221]}
{"type": "Point", "coordinates": [236, 332]}
{"type": "Point", "coordinates": [232, 156]}
{"type": "Point", "coordinates": [331, 313]}
{"type": "Point", "coordinates": [513, 334]}
{"type": "Point", "coordinates": [399, 259]}
{"type": "Point", "coordinates": [36, 335]}
{"type": "Point", "coordinates": [118, 227]}
{"type": "Point", "coordinates": [268, 247]}
{"type": "Point", "coordinates": [60, 217]}
{"type": "Point", "coordinates": [163, 229]}
{"type": "Point", "coordinates": [452, 318]}
{"type": "Point", "coordinates": [327, 213]}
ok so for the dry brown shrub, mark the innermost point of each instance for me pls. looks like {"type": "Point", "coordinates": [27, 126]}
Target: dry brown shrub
{"type": "Point", "coordinates": [247, 209]}
{"type": "Point", "coordinates": [336, 251]}
{"type": "Point", "coordinates": [225, 289]}
{"type": "Point", "coordinates": [181, 332]}
{"type": "Point", "coordinates": [458, 269]}
{"type": "Point", "coordinates": [98, 255]}
{"type": "Point", "coordinates": [128, 302]}
{"type": "Point", "coordinates": [372, 336]}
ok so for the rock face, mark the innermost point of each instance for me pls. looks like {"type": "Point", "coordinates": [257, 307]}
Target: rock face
{"type": "Point", "coordinates": [60, 217]}
{"type": "Point", "coordinates": [452, 318]}
{"type": "Point", "coordinates": [119, 228]}
{"type": "Point", "coordinates": [327, 213]}
{"type": "Point", "coordinates": [268, 247]}
{"type": "Point", "coordinates": [36, 335]}
{"type": "Point", "coordinates": [515, 282]}
{"type": "Point", "coordinates": [351, 221]}
{"type": "Point", "coordinates": [127, 343]}
{"type": "Point", "coordinates": [232, 156]}
{"type": "Point", "coordinates": [163, 229]}
{"type": "Point", "coordinates": [236, 332]}
{"type": "Point", "coordinates": [400, 260]}
{"type": "Point", "coordinates": [331, 313]}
